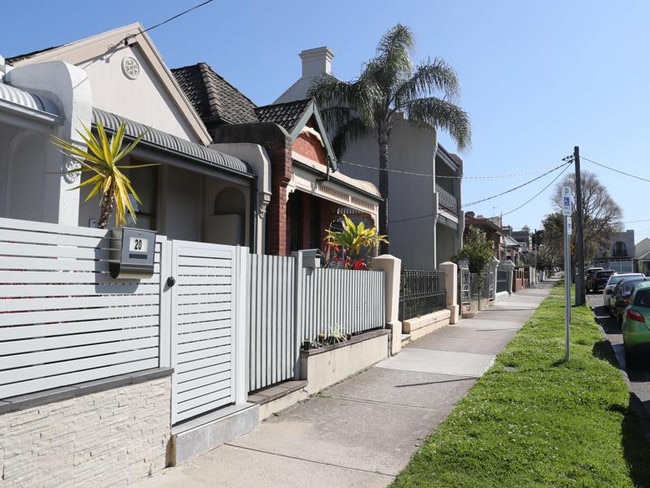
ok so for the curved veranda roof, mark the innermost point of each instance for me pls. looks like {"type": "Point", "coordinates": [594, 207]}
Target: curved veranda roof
{"type": "Point", "coordinates": [183, 148]}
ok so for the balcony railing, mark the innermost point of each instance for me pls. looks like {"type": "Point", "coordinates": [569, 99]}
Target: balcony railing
{"type": "Point", "coordinates": [446, 200]}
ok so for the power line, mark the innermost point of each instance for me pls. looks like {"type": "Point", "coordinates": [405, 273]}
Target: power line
{"type": "Point", "coordinates": [126, 39]}
{"type": "Point", "coordinates": [616, 170]}
{"type": "Point", "coordinates": [565, 164]}
{"type": "Point", "coordinates": [539, 193]}
{"type": "Point", "coordinates": [428, 175]}
{"type": "Point", "coordinates": [517, 187]}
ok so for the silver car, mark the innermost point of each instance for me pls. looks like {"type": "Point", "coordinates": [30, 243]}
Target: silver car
{"type": "Point", "coordinates": [611, 283]}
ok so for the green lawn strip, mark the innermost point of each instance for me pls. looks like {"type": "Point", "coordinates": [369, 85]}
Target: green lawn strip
{"type": "Point", "coordinates": [535, 421]}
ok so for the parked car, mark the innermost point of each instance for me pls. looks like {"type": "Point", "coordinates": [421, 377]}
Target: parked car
{"type": "Point", "coordinates": [589, 272]}
{"type": "Point", "coordinates": [636, 322]}
{"type": "Point", "coordinates": [608, 301]}
{"type": "Point", "coordinates": [598, 280]}
{"type": "Point", "coordinates": [621, 296]}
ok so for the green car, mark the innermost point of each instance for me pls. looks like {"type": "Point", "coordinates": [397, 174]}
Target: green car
{"type": "Point", "coordinates": [636, 323]}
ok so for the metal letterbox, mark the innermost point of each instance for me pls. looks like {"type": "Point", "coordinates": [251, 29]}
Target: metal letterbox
{"type": "Point", "coordinates": [132, 253]}
{"type": "Point", "coordinates": [311, 258]}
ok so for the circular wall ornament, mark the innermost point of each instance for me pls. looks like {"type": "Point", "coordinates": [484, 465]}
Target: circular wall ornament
{"type": "Point", "coordinates": [130, 67]}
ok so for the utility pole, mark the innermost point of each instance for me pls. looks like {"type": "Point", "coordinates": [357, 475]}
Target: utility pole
{"type": "Point", "coordinates": [580, 253]}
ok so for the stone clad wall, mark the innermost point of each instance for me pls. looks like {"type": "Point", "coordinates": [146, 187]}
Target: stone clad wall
{"type": "Point", "coordinates": [109, 438]}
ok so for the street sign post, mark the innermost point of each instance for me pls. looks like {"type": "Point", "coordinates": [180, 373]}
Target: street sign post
{"type": "Point", "coordinates": [568, 273]}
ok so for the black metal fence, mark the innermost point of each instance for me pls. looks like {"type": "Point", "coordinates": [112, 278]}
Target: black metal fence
{"type": "Point", "coordinates": [421, 292]}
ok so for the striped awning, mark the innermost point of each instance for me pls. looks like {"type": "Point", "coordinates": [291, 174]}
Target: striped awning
{"type": "Point", "coordinates": [26, 99]}
{"type": "Point", "coordinates": [178, 146]}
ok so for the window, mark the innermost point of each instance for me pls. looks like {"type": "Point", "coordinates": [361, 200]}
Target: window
{"type": "Point", "coordinates": [619, 249]}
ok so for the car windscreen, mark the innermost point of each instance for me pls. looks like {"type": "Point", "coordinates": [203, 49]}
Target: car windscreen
{"type": "Point", "coordinates": [642, 298]}
{"type": "Point", "coordinates": [618, 277]}
{"type": "Point", "coordinates": [630, 283]}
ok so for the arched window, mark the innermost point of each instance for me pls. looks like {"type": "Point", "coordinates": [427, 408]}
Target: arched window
{"type": "Point", "coordinates": [619, 249]}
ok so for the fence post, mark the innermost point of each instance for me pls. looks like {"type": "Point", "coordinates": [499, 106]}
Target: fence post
{"type": "Point", "coordinates": [392, 267]}
{"type": "Point", "coordinates": [451, 286]}
{"type": "Point", "coordinates": [241, 317]}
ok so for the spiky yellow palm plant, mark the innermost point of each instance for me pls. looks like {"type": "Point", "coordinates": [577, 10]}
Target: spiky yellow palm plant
{"type": "Point", "coordinates": [100, 159]}
{"type": "Point", "coordinates": [353, 239]}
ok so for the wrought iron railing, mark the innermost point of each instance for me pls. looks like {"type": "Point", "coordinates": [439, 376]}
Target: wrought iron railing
{"type": "Point", "coordinates": [421, 292]}
{"type": "Point", "coordinates": [447, 200]}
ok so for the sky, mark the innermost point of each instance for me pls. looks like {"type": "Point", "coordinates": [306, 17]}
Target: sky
{"type": "Point", "coordinates": [538, 77]}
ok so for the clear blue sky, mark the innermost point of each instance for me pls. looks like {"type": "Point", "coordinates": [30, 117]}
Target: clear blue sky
{"type": "Point", "coordinates": [537, 77]}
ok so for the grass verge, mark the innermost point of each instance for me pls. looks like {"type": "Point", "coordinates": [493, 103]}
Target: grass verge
{"type": "Point", "coordinates": [534, 420]}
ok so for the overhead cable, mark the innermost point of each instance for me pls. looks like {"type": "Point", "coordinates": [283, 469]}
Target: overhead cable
{"type": "Point", "coordinates": [615, 170]}
{"type": "Point", "coordinates": [519, 186]}
{"type": "Point", "coordinates": [428, 175]}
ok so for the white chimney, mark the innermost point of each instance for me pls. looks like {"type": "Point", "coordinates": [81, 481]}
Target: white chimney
{"type": "Point", "coordinates": [316, 62]}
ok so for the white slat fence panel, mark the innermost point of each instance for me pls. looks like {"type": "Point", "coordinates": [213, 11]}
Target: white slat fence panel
{"type": "Point", "coordinates": [272, 351]}
{"type": "Point", "coordinates": [203, 328]}
{"type": "Point", "coordinates": [63, 319]}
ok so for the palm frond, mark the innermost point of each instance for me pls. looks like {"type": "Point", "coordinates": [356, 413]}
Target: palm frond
{"type": "Point", "coordinates": [429, 78]}
{"type": "Point", "coordinates": [441, 114]}
{"type": "Point", "coordinates": [101, 157]}
{"type": "Point", "coordinates": [349, 132]}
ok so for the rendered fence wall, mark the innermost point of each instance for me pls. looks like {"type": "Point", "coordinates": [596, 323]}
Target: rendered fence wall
{"type": "Point", "coordinates": [273, 347]}
{"type": "Point", "coordinates": [63, 319]}
{"type": "Point", "coordinates": [340, 300]}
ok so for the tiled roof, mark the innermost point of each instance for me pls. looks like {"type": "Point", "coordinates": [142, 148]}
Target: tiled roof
{"type": "Point", "coordinates": [286, 115]}
{"type": "Point", "coordinates": [213, 97]}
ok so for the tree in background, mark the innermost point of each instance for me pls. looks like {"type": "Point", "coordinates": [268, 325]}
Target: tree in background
{"type": "Point", "coordinates": [389, 84]}
{"type": "Point", "coordinates": [550, 242]}
{"type": "Point", "coordinates": [476, 249]}
{"type": "Point", "coordinates": [107, 179]}
{"type": "Point", "coordinates": [601, 217]}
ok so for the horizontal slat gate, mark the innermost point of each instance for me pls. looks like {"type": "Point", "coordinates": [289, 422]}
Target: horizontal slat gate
{"type": "Point", "coordinates": [273, 350]}
{"type": "Point", "coordinates": [202, 328]}
{"type": "Point", "coordinates": [63, 319]}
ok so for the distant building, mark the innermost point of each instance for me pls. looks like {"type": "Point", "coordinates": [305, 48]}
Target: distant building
{"type": "Point", "coordinates": [620, 255]}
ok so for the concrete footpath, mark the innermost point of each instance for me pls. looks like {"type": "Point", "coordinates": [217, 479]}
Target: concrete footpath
{"type": "Point", "coordinates": [363, 431]}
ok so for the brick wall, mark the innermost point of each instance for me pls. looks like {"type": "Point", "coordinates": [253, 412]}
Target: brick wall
{"type": "Point", "coordinates": [309, 146]}
{"type": "Point", "coordinates": [276, 230]}
{"type": "Point", "coordinates": [110, 438]}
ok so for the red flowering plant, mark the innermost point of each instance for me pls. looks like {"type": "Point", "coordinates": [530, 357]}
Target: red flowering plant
{"type": "Point", "coordinates": [349, 247]}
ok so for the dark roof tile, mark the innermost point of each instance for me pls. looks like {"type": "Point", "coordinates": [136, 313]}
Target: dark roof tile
{"type": "Point", "coordinates": [213, 97]}
{"type": "Point", "coordinates": [286, 115]}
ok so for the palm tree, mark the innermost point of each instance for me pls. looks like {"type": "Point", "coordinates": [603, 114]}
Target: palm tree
{"type": "Point", "coordinates": [100, 160]}
{"type": "Point", "coordinates": [390, 84]}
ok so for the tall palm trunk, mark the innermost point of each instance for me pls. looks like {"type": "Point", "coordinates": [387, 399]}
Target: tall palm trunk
{"type": "Point", "coordinates": [383, 140]}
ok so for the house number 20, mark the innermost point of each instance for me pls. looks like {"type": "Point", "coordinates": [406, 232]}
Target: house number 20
{"type": "Point", "coordinates": [138, 244]}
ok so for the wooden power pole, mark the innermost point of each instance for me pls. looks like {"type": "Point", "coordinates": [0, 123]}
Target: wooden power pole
{"type": "Point", "coordinates": [580, 253]}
